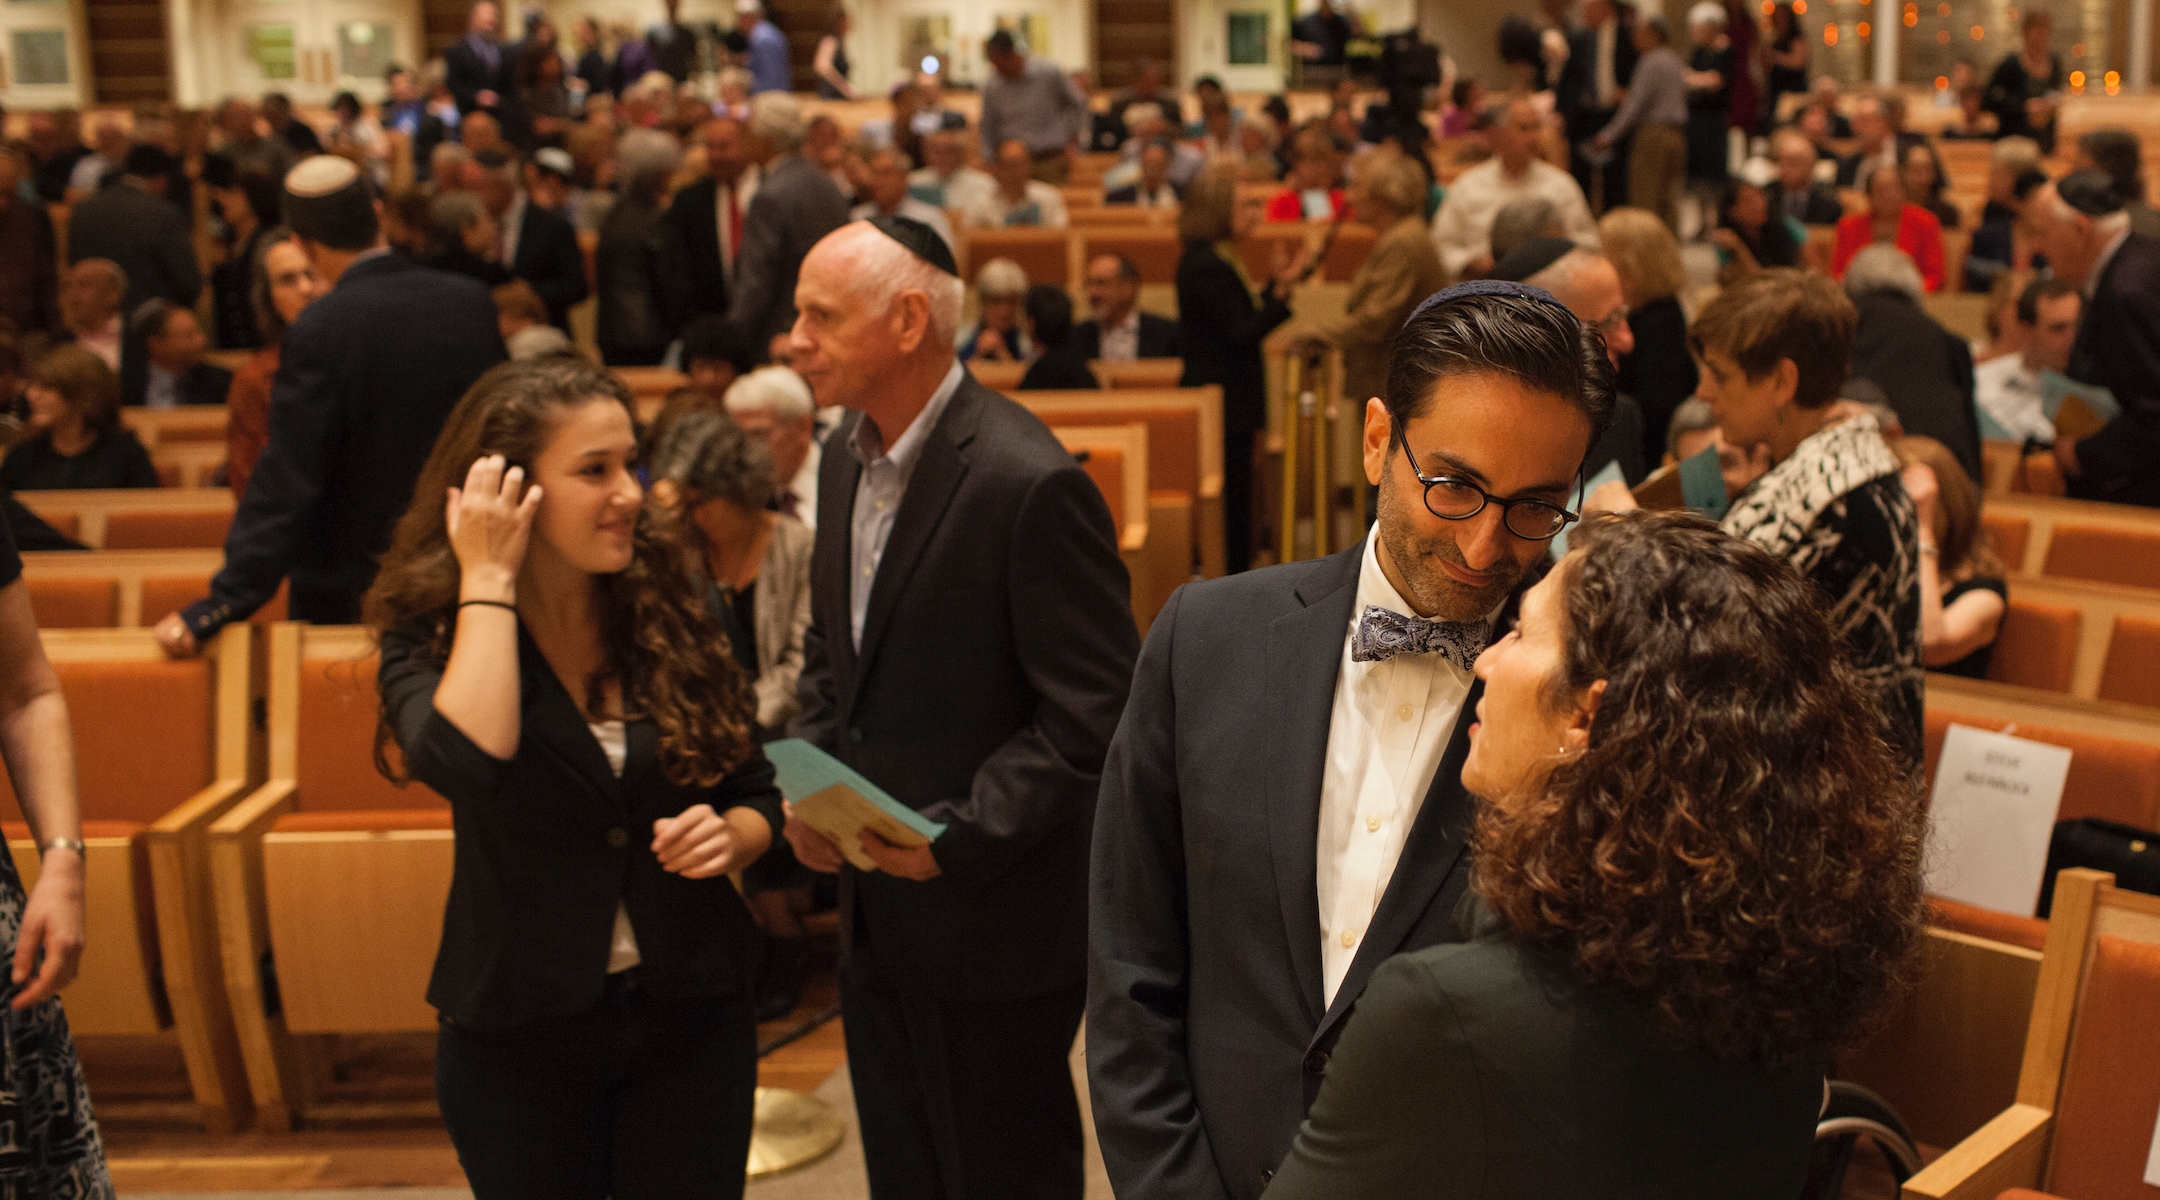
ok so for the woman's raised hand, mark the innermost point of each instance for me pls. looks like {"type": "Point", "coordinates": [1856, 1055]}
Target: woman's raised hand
{"type": "Point", "coordinates": [490, 522]}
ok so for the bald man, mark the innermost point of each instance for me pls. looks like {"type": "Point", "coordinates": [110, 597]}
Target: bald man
{"type": "Point", "coordinates": [1588, 283]}
{"type": "Point", "coordinates": [971, 640]}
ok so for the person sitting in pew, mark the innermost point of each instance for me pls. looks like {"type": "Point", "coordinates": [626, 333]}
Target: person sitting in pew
{"type": "Point", "coordinates": [1119, 331]}
{"type": "Point", "coordinates": [946, 180]}
{"type": "Point", "coordinates": [1962, 593]}
{"type": "Point", "coordinates": [76, 439]}
{"type": "Point", "coordinates": [1313, 191]}
{"type": "Point", "coordinates": [1063, 365]}
{"type": "Point", "coordinates": [163, 366]}
{"type": "Point", "coordinates": [1892, 219]}
{"type": "Point", "coordinates": [1695, 429]}
{"type": "Point", "coordinates": [1155, 187]}
{"type": "Point", "coordinates": [2044, 325]}
{"type": "Point", "coordinates": [996, 336]}
{"type": "Point", "coordinates": [1020, 201]}
{"type": "Point", "coordinates": [1628, 1016]}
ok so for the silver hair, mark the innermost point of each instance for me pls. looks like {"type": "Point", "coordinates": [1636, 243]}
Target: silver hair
{"type": "Point", "coordinates": [644, 158]}
{"type": "Point", "coordinates": [1001, 277]}
{"type": "Point", "coordinates": [777, 390]}
{"type": "Point", "coordinates": [885, 269]}
{"type": "Point", "coordinates": [1707, 13]}
{"type": "Point", "coordinates": [1883, 268]}
{"type": "Point", "coordinates": [776, 119]}
{"type": "Point", "coordinates": [2016, 153]}
{"type": "Point", "coordinates": [708, 454]}
{"type": "Point", "coordinates": [1559, 277]}
{"type": "Point", "coordinates": [1692, 416]}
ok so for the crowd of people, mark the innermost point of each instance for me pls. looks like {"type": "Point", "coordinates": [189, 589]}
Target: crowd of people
{"type": "Point", "coordinates": [1339, 829]}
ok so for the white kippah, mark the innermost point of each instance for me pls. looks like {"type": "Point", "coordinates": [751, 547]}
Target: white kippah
{"type": "Point", "coordinates": [321, 175]}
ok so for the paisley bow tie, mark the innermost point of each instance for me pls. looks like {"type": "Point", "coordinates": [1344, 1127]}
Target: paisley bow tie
{"type": "Point", "coordinates": [1382, 634]}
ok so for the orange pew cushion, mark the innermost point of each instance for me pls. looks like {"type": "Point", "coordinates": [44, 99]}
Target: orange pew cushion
{"type": "Point", "coordinates": [2111, 1077]}
{"type": "Point", "coordinates": [156, 530]}
{"type": "Point", "coordinates": [143, 736]}
{"type": "Point", "coordinates": [164, 595]}
{"type": "Point", "coordinates": [1957, 917]}
{"type": "Point", "coordinates": [2104, 554]}
{"type": "Point", "coordinates": [2037, 646]}
{"type": "Point", "coordinates": [74, 603]}
{"type": "Point", "coordinates": [336, 768]}
{"type": "Point", "coordinates": [2132, 673]}
{"type": "Point", "coordinates": [364, 820]}
{"type": "Point", "coordinates": [2009, 533]}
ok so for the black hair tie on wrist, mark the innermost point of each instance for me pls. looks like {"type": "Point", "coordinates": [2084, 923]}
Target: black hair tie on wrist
{"type": "Point", "coordinates": [463, 604]}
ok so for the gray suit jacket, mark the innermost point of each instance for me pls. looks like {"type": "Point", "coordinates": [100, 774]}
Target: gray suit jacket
{"type": "Point", "coordinates": [796, 204]}
{"type": "Point", "coordinates": [1484, 1071]}
{"type": "Point", "coordinates": [1207, 1036]}
{"type": "Point", "coordinates": [783, 617]}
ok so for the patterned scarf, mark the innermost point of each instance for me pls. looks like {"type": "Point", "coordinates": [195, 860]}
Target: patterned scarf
{"type": "Point", "coordinates": [1776, 511]}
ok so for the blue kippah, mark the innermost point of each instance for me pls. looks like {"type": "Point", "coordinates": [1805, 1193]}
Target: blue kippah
{"type": "Point", "coordinates": [1487, 287]}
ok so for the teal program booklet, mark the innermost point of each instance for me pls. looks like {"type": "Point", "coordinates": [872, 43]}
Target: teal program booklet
{"type": "Point", "coordinates": [830, 797]}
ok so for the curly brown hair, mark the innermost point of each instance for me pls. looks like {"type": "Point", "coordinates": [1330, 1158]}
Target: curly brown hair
{"type": "Point", "coordinates": [1737, 847]}
{"type": "Point", "coordinates": [659, 639]}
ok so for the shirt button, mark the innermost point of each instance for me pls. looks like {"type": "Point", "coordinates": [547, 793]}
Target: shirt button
{"type": "Point", "coordinates": [1372, 824]}
{"type": "Point", "coordinates": [1403, 713]}
{"type": "Point", "coordinates": [866, 572]}
{"type": "Point", "coordinates": [1349, 939]}
{"type": "Point", "coordinates": [619, 837]}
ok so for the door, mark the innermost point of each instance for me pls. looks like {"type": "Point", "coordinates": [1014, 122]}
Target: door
{"type": "Point", "coordinates": [42, 54]}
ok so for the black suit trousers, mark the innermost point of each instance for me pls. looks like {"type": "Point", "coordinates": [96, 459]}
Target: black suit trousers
{"type": "Point", "coordinates": [963, 1100]}
{"type": "Point", "coordinates": [635, 1097]}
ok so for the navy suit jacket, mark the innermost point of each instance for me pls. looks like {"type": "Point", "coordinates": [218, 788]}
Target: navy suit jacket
{"type": "Point", "coordinates": [1159, 337]}
{"type": "Point", "coordinates": [2118, 347]}
{"type": "Point", "coordinates": [365, 380]}
{"type": "Point", "coordinates": [548, 258]}
{"type": "Point", "coordinates": [1206, 1033]}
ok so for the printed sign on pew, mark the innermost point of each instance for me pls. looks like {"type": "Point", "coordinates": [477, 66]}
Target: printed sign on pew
{"type": "Point", "coordinates": [1991, 814]}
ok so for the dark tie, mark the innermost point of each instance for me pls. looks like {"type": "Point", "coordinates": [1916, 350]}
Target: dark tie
{"type": "Point", "coordinates": [1383, 634]}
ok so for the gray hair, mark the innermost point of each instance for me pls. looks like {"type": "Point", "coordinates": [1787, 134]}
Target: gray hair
{"type": "Point", "coordinates": [776, 390]}
{"type": "Point", "coordinates": [115, 276]}
{"type": "Point", "coordinates": [776, 119]}
{"type": "Point", "coordinates": [707, 454]}
{"type": "Point", "coordinates": [1709, 12]}
{"type": "Point", "coordinates": [539, 341]}
{"type": "Point", "coordinates": [887, 269]}
{"type": "Point", "coordinates": [1559, 277]}
{"type": "Point", "coordinates": [450, 215]}
{"type": "Point", "coordinates": [1882, 268]}
{"type": "Point", "coordinates": [1692, 416]}
{"type": "Point", "coordinates": [1001, 277]}
{"type": "Point", "coordinates": [644, 158]}
{"type": "Point", "coordinates": [2019, 154]}
{"type": "Point", "coordinates": [1521, 220]}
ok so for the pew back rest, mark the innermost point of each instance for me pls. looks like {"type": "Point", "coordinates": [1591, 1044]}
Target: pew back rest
{"type": "Point", "coordinates": [323, 714]}
{"type": "Point", "coordinates": [2110, 778]}
{"type": "Point", "coordinates": [86, 602]}
{"type": "Point", "coordinates": [2132, 672]}
{"type": "Point", "coordinates": [1185, 440]}
{"type": "Point", "coordinates": [2111, 1075]}
{"type": "Point", "coordinates": [2104, 554]}
{"type": "Point", "coordinates": [1117, 458]}
{"type": "Point", "coordinates": [2037, 645]}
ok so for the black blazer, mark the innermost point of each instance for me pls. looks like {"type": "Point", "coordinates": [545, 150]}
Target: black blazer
{"type": "Point", "coordinates": [146, 235]}
{"type": "Point", "coordinates": [204, 383]}
{"type": "Point", "coordinates": [1925, 370]}
{"type": "Point", "coordinates": [1210, 296]}
{"type": "Point", "coordinates": [1206, 1035]}
{"type": "Point", "coordinates": [1661, 372]}
{"type": "Point", "coordinates": [549, 842]}
{"type": "Point", "coordinates": [548, 258]}
{"type": "Point", "coordinates": [697, 230]}
{"type": "Point", "coordinates": [644, 289]}
{"type": "Point", "coordinates": [1064, 367]}
{"type": "Point", "coordinates": [2118, 347]}
{"type": "Point", "coordinates": [1820, 206]}
{"type": "Point", "coordinates": [1484, 1069]}
{"type": "Point", "coordinates": [1159, 337]}
{"type": "Point", "coordinates": [367, 375]}
{"type": "Point", "coordinates": [994, 663]}
{"type": "Point", "coordinates": [1575, 95]}
{"type": "Point", "coordinates": [467, 73]}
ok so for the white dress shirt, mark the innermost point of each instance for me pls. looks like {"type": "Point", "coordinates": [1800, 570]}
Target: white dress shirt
{"type": "Point", "coordinates": [738, 194]}
{"type": "Point", "coordinates": [513, 224]}
{"type": "Point", "coordinates": [1121, 342]}
{"type": "Point", "coordinates": [1391, 722]}
{"type": "Point", "coordinates": [104, 342]}
{"type": "Point", "coordinates": [2010, 392]}
{"type": "Point", "coordinates": [1462, 229]}
{"type": "Point", "coordinates": [1042, 206]}
{"type": "Point", "coordinates": [885, 475]}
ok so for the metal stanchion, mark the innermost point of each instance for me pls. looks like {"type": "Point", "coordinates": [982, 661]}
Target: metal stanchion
{"type": "Point", "coordinates": [1310, 382]}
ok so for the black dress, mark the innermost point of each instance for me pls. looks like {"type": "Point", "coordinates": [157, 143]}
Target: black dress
{"type": "Point", "coordinates": [825, 89]}
{"type": "Point", "coordinates": [53, 1148]}
{"type": "Point", "coordinates": [115, 460]}
{"type": "Point", "coordinates": [1212, 296]}
{"type": "Point", "coordinates": [1661, 372]}
{"type": "Point", "coordinates": [232, 310]}
{"type": "Point", "coordinates": [2010, 87]}
{"type": "Point", "coordinates": [1709, 113]}
{"type": "Point", "coordinates": [1780, 80]}
{"type": "Point", "coordinates": [1974, 665]}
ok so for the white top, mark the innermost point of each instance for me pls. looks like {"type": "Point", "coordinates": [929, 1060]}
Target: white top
{"type": "Point", "coordinates": [622, 947]}
{"type": "Point", "coordinates": [2010, 392]}
{"type": "Point", "coordinates": [1042, 207]}
{"type": "Point", "coordinates": [1391, 721]}
{"type": "Point", "coordinates": [956, 191]}
{"type": "Point", "coordinates": [1121, 342]}
{"type": "Point", "coordinates": [1462, 229]}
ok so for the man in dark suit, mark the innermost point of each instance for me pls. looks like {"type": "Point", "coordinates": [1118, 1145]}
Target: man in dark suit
{"type": "Point", "coordinates": [135, 226]}
{"type": "Point", "coordinates": [478, 67]}
{"type": "Point", "coordinates": [1282, 808]}
{"type": "Point", "coordinates": [367, 375]}
{"type": "Point", "coordinates": [1119, 331]}
{"type": "Point", "coordinates": [1879, 126]}
{"type": "Point", "coordinates": [1601, 62]}
{"type": "Point", "coordinates": [796, 204]}
{"type": "Point", "coordinates": [161, 359]}
{"type": "Point", "coordinates": [1796, 194]}
{"type": "Point", "coordinates": [709, 213]}
{"type": "Point", "coordinates": [963, 556]}
{"type": "Point", "coordinates": [2085, 229]}
{"type": "Point", "coordinates": [539, 247]}
{"type": "Point", "coordinates": [1924, 370]}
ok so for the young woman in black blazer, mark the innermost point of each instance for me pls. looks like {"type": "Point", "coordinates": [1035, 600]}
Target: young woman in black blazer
{"type": "Point", "coordinates": [550, 666]}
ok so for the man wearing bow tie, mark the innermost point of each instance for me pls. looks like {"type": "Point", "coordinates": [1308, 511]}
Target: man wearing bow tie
{"type": "Point", "coordinates": [1282, 808]}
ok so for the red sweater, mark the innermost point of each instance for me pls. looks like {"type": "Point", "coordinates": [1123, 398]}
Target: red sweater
{"type": "Point", "coordinates": [1289, 205]}
{"type": "Point", "coordinates": [1919, 234]}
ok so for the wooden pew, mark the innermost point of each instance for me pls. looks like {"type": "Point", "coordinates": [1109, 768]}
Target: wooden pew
{"type": "Point", "coordinates": [336, 875]}
{"type": "Point", "coordinates": [649, 387]}
{"type": "Point", "coordinates": [2100, 607]}
{"type": "Point", "coordinates": [140, 518]}
{"type": "Point", "coordinates": [155, 427]}
{"type": "Point", "coordinates": [1185, 446]}
{"type": "Point", "coordinates": [151, 964]}
{"type": "Point", "coordinates": [126, 575]}
{"type": "Point", "coordinates": [1045, 254]}
{"type": "Point", "coordinates": [188, 464]}
{"type": "Point", "coordinates": [2041, 515]}
{"type": "Point", "coordinates": [2115, 748]}
{"type": "Point", "coordinates": [1153, 551]}
{"type": "Point", "coordinates": [1150, 373]}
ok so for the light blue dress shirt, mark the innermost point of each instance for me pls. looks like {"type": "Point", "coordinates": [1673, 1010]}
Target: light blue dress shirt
{"type": "Point", "coordinates": [885, 475]}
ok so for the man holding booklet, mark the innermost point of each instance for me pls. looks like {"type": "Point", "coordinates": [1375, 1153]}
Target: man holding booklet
{"type": "Point", "coordinates": [2085, 229]}
{"type": "Point", "coordinates": [970, 647]}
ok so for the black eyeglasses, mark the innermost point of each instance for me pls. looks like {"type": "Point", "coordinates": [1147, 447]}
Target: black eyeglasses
{"type": "Point", "coordinates": [1452, 499]}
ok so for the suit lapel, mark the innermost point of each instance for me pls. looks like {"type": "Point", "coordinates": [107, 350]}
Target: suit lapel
{"type": "Point", "coordinates": [1304, 660]}
{"type": "Point", "coordinates": [554, 721]}
{"type": "Point", "coordinates": [1430, 854]}
{"type": "Point", "coordinates": [839, 473]}
{"type": "Point", "coordinates": [930, 489]}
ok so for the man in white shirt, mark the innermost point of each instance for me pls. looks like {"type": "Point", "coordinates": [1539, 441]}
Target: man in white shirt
{"type": "Point", "coordinates": [1282, 808]}
{"type": "Point", "coordinates": [888, 187]}
{"type": "Point", "coordinates": [1462, 229]}
{"type": "Point", "coordinates": [1020, 200]}
{"type": "Point", "coordinates": [2007, 388]}
{"type": "Point", "coordinates": [773, 405]}
{"type": "Point", "coordinates": [90, 295]}
{"type": "Point", "coordinates": [947, 181]}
